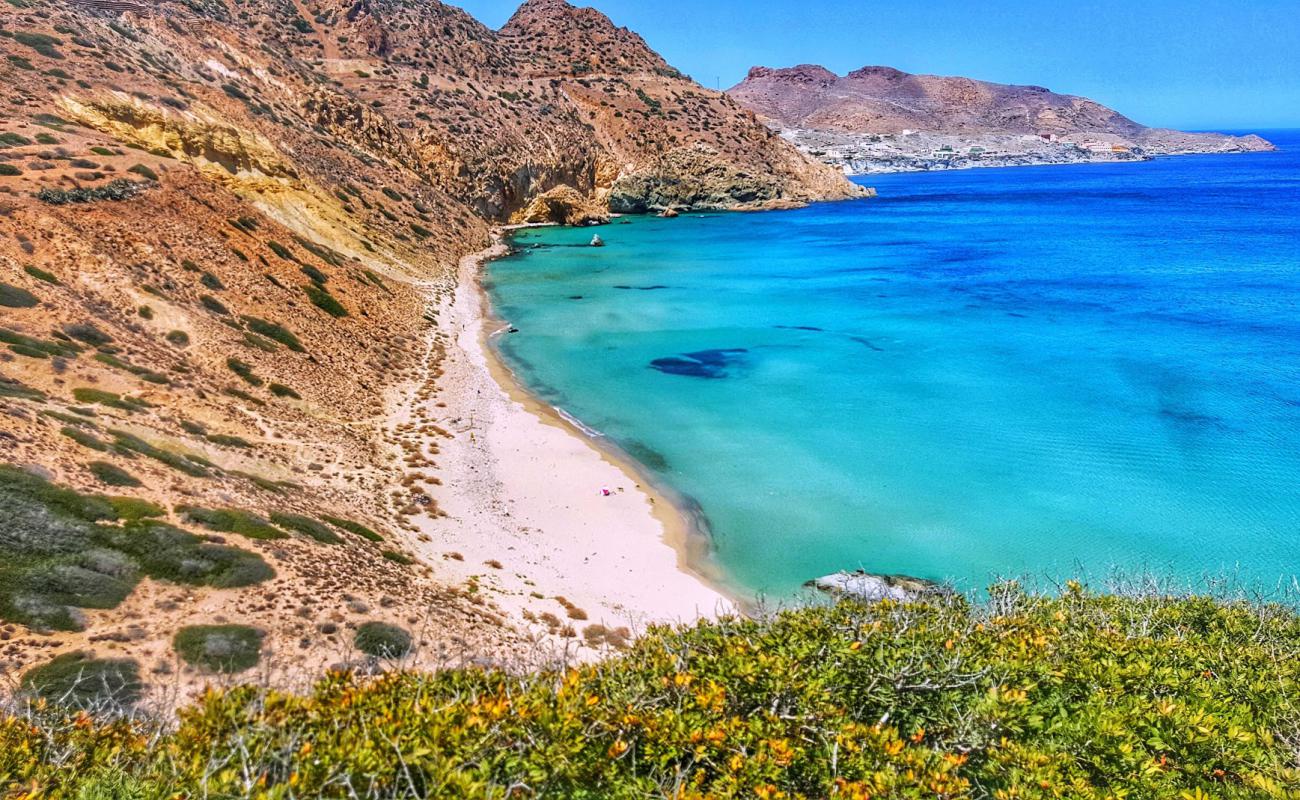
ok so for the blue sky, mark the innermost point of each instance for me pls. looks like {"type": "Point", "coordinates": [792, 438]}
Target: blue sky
{"type": "Point", "coordinates": [1186, 63]}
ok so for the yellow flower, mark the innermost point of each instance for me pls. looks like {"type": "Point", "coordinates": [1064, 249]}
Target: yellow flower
{"type": "Point", "coordinates": [617, 749]}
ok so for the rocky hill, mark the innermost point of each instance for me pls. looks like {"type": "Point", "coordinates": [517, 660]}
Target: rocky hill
{"type": "Point", "coordinates": [226, 235]}
{"type": "Point", "coordinates": [879, 115]}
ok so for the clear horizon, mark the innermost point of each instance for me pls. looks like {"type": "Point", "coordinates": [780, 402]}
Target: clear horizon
{"type": "Point", "coordinates": [1194, 65]}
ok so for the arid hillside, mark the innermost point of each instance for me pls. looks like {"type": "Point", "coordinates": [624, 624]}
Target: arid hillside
{"type": "Point", "coordinates": [226, 235]}
{"type": "Point", "coordinates": [843, 116]}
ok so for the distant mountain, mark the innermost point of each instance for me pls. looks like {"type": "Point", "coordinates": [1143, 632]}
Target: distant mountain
{"type": "Point", "coordinates": [885, 102]}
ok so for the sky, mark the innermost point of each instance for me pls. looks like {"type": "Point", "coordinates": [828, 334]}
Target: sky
{"type": "Point", "coordinates": [1190, 64]}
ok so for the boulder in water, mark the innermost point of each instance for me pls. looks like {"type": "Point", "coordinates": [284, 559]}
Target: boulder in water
{"type": "Point", "coordinates": [596, 241]}
{"type": "Point", "coordinates": [862, 585]}
{"type": "Point", "coordinates": [669, 213]}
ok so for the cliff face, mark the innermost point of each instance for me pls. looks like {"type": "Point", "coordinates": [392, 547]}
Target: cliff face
{"type": "Point", "coordinates": [225, 231]}
{"type": "Point", "coordinates": [825, 112]}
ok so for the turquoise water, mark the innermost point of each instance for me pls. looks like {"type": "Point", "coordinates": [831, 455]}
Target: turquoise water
{"type": "Point", "coordinates": [1005, 372]}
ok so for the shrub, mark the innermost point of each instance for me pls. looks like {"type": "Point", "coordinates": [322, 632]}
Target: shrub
{"type": "Point", "coordinates": [88, 333]}
{"type": "Point", "coordinates": [274, 331]}
{"type": "Point", "coordinates": [211, 281]}
{"type": "Point", "coordinates": [244, 370]}
{"type": "Point", "coordinates": [381, 640]}
{"type": "Point", "coordinates": [228, 440]}
{"type": "Point", "coordinates": [178, 338]}
{"type": "Point", "coordinates": [143, 171]}
{"type": "Point", "coordinates": [112, 474]}
{"type": "Point", "coordinates": [280, 390]}
{"type": "Point", "coordinates": [110, 399]}
{"type": "Point", "coordinates": [322, 299]}
{"type": "Point", "coordinates": [398, 557]}
{"type": "Point", "coordinates": [84, 439]}
{"type": "Point", "coordinates": [116, 190]}
{"type": "Point", "coordinates": [58, 552]}
{"type": "Point", "coordinates": [354, 528]}
{"type": "Point", "coordinates": [220, 648]}
{"type": "Point", "coordinates": [214, 305]}
{"type": "Point", "coordinates": [41, 275]}
{"type": "Point", "coordinates": [9, 170]}
{"type": "Point", "coordinates": [186, 464]}
{"type": "Point", "coordinates": [1078, 696]}
{"type": "Point", "coordinates": [81, 681]}
{"type": "Point", "coordinates": [230, 520]}
{"type": "Point", "coordinates": [16, 297]}
{"type": "Point", "coordinates": [306, 526]}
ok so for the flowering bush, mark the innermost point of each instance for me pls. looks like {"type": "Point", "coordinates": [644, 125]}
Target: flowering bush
{"type": "Point", "coordinates": [1017, 696]}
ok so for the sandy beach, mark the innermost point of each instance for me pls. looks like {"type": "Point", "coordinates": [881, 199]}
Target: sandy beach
{"type": "Point", "coordinates": [524, 521]}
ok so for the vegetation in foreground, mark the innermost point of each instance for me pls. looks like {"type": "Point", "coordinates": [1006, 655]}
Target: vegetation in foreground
{"type": "Point", "coordinates": [1021, 696]}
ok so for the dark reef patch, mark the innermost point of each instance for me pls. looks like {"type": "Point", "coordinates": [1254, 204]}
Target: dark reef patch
{"type": "Point", "coordinates": [643, 288]}
{"type": "Point", "coordinates": [701, 363]}
{"type": "Point", "coordinates": [862, 340]}
{"type": "Point", "coordinates": [799, 328]}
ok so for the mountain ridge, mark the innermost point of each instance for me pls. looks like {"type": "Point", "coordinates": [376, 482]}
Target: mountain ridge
{"type": "Point", "coordinates": [838, 116]}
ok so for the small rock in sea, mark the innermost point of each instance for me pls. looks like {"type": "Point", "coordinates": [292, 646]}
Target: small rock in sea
{"type": "Point", "coordinates": [669, 213]}
{"type": "Point", "coordinates": [867, 586]}
{"type": "Point", "coordinates": [596, 241]}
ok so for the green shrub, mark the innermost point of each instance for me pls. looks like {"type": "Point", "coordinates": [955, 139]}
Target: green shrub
{"type": "Point", "coordinates": [178, 338]}
{"type": "Point", "coordinates": [85, 439]}
{"type": "Point", "coordinates": [229, 440]}
{"type": "Point", "coordinates": [306, 526]}
{"type": "Point", "coordinates": [80, 680]}
{"type": "Point", "coordinates": [61, 550]}
{"type": "Point", "coordinates": [280, 250]}
{"type": "Point", "coordinates": [10, 387]}
{"type": "Point", "coordinates": [398, 557]}
{"type": "Point", "coordinates": [116, 190]}
{"type": "Point", "coordinates": [211, 281]}
{"type": "Point", "coordinates": [41, 275]}
{"type": "Point", "coordinates": [16, 297]}
{"type": "Point", "coordinates": [143, 171]}
{"type": "Point", "coordinates": [230, 520]}
{"type": "Point", "coordinates": [381, 640]}
{"type": "Point", "coordinates": [322, 299]}
{"type": "Point", "coordinates": [316, 275]}
{"type": "Point", "coordinates": [244, 370]}
{"type": "Point", "coordinates": [110, 399]}
{"type": "Point", "coordinates": [214, 305]}
{"type": "Point", "coordinates": [112, 474]}
{"type": "Point", "coordinates": [354, 528]}
{"type": "Point", "coordinates": [37, 348]}
{"type": "Point", "coordinates": [1080, 696]}
{"type": "Point", "coordinates": [220, 648]}
{"type": "Point", "coordinates": [275, 332]}
{"type": "Point", "coordinates": [187, 464]}
{"type": "Point", "coordinates": [140, 372]}
{"type": "Point", "coordinates": [9, 170]}
{"type": "Point", "coordinates": [88, 333]}
{"type": "Point", "coordinates": [280, 390]}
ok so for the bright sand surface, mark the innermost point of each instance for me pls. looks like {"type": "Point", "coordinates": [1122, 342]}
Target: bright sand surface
{"type": "Point", "coordinates": [523, 487]}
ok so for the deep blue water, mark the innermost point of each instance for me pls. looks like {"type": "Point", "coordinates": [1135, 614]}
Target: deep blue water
{"type": "Point", "coordinates": [1000, 372]}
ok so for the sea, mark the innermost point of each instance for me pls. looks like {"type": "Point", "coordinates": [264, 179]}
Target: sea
{"type": "Point", "coordinates": [1040, 373]}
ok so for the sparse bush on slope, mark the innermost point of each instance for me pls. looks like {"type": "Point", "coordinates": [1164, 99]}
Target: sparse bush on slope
{"type": "Point", "coordinates": [1021, 696]}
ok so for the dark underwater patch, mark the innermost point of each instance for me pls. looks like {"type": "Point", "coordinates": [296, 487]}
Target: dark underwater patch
{"type": "Point", "coordinates": [701, 363]}
{"type": "Point", "coordinates": [799, 328]}
{"type": "Point", "coordinates": [643, 288]}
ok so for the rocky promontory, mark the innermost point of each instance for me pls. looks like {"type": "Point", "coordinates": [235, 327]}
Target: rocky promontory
{"type": "Point", "coordinates": [879, 119]}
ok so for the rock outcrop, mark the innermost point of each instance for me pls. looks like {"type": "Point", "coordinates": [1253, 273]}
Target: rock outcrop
{"type": "Point", "coordinates": [871, 588]}
{"type": "Point", "coordinates": [881, 119]}
{"type": "Point", "coordinates": [563, 205]}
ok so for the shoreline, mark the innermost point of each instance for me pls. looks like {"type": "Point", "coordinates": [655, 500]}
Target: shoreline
{"type": "Point", "coordinates": [522, 519]}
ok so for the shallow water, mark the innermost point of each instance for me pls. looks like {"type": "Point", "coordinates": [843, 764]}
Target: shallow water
{"type": "Point", "coordinates": [1004, 372]}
